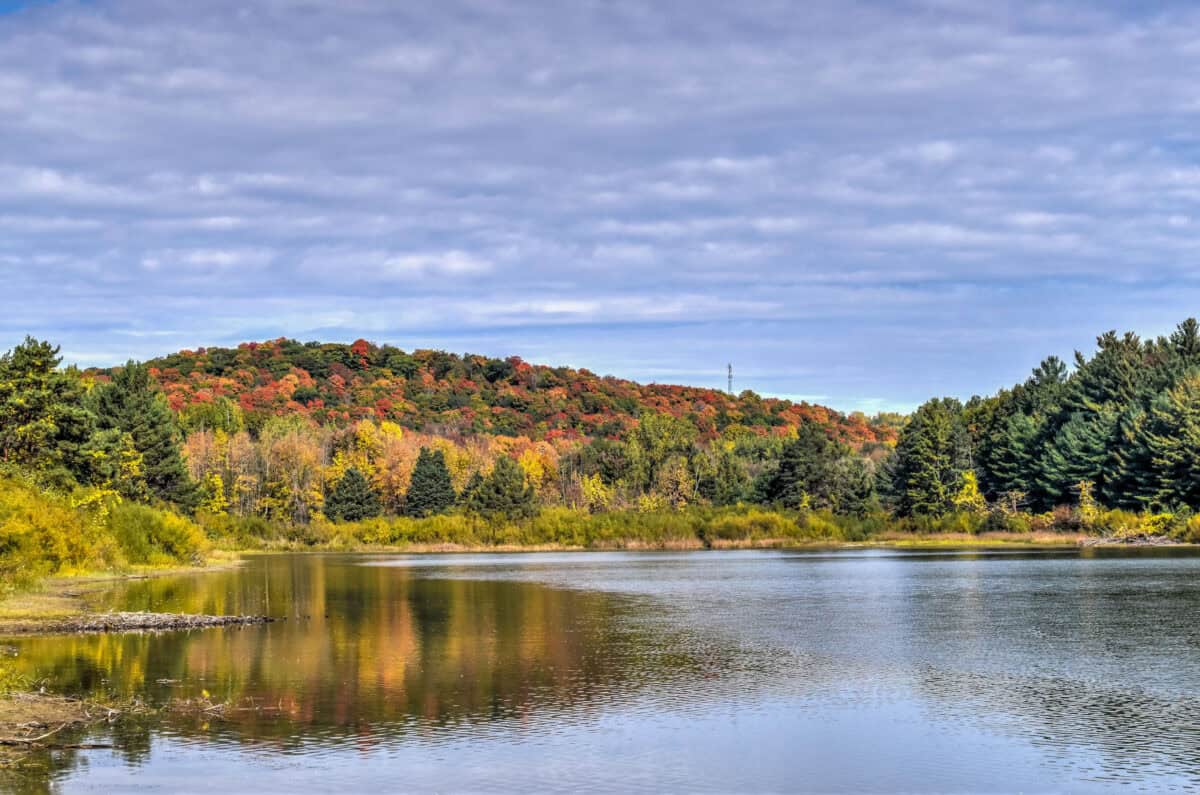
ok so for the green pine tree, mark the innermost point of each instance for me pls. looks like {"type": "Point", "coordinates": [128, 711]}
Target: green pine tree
{"type": "Point", "coordinates": [854, 487]}
{"type": "Point", "coordinates": [132, 404]}
{"type": "Point", "coordinates": [504, 493]}
{"type": "Point", "coordinates": [804, 475]}
{"type": "Point", "coordinates": [1172, 438]}
{"type": "Point", "coordinates": [1012, 455]}
{"type": "Point", "coordinates": [816, 472]}
{"type": "Point", "coordinates": [473, 485]}
{"type": "Point", "coordinates": [1077, 453]}
{"type": "Point", "coordinates": [352, 498]}
{"type": "Point", "coordinates": [431, 490]}
{"type": "Point", "coordinates": [931, 456]}
{"type": "Point", "coordinates": [43, 424]}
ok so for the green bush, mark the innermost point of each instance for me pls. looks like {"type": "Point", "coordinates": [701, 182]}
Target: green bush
{"type": "Point", "coordinates": [753, 523]}
{"type": "Point", "coordinates": [152, 536]}
{"type": "Point", "coordinates": [999, 521]}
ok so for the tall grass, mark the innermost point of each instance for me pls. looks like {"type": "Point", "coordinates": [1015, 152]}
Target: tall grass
{"type": "Point", "coordinates": [694, 527]}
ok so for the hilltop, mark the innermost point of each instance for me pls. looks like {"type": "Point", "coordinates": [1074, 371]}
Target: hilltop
{"type": "Point", "coordinates": [456, 396]}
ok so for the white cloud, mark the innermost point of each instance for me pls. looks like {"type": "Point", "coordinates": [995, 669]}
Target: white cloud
{"type": "Point", "coordinates": [937, 151]}
{"type": "Point", "coordinates": [742, 174]}
{"type": "Point", "coordinates": [450, 263]}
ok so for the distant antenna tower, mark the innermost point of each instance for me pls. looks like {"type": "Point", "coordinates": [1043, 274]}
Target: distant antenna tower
{"type": "Point", "coordinates": [731, 378]}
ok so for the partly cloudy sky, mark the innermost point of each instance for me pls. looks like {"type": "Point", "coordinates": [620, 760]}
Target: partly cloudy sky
{"type": "Point", "coordinates": [862, 204]}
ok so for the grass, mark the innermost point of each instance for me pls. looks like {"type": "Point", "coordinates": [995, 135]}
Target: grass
{"type": "Point", "coordinates": [698, 527]}
{"type": "Point", "coordinates": [1031, 540]}
{"type": "Point", "coordinates": [896, 540]}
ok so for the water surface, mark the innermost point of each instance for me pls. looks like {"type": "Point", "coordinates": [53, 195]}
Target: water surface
{"type": "Point", "coordinates": [832, 671]}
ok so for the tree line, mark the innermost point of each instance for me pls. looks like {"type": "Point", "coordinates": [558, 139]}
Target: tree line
{"type": "Point", "coordinates": [117, 431]}
{"type": "Point", "coordinates": [1118, 430]}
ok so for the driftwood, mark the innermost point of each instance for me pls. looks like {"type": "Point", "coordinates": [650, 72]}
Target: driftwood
{"type": "Point", "coordinates": [1138, 540]}
{"type": "Point", "coordinates": [129, 622]}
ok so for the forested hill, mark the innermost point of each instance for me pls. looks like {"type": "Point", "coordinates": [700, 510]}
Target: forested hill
{"type": "Point", "coordinates": [452, 395]}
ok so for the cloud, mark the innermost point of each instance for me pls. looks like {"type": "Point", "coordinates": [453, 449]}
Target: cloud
{"type": "Point", "coordinates": [449, 263]}
{"type": "Point", "coordinates": [855, 191]}
{"type": "Point", "coordinates": [207, 259]}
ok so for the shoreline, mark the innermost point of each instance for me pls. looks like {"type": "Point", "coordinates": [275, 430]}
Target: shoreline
{"type": "Point", "coordinates": [59, 604]}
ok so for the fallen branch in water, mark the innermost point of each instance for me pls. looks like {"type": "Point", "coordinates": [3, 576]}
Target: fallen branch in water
{"type": "Point", "coordinates": [31, 740]}
{"type": "Point", "coordinates": [218, 709]}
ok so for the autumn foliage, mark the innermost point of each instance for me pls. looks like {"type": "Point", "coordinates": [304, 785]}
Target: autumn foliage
{"type": "Point", "coordinates": [454, 397]}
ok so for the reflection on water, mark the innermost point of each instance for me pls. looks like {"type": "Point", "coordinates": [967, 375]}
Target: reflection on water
{"type": "Point", "coordinates": [848, 671]}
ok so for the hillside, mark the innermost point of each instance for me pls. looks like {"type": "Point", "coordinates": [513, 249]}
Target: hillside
{"type": "Point", "coordinates": [456, 396]}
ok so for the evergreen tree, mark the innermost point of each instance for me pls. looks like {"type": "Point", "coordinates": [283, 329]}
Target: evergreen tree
{"type": "Point", "coordinates": [1172, 439]}
{"type": "Point", "coordinates": [816, 472]}
{"type": "Point", "coordinates": [1114, 375]}
{"type": "Point", "coordinates": [43, 424]}
{"type": "Point", "coordinates": [1184, 348]}
{"type": "Point", "coordinates": [931, 456]}
{"type": "Point", "coordinates": [1045, 388]}
{"type": "Point", "coordinates": [131, 404]}
{"type": "Point", "coordinates": [1012, 456]}
{"type": "Point", "coordinates": [804, 476]}
{"type": "Point", "coordinates": [504, 493]}
{"type": "Point", "coordinates": [431, 490]}
{"type": "Point", "coordinates": [888, 483]}
{"type": "Point", "coordinates": [1128, 476]}
{"type": "Point", "coordinates": [352, 498]}
{"type": "Point", "coordinates": [854, 489]}
{"type": "Point", "coordinates": [473, 485]}
{"type": "Point", "coordinates": [1077, 453]}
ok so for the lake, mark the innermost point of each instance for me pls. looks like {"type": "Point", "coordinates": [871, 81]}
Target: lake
{"type": "Point", "coordinates": [863, 670]}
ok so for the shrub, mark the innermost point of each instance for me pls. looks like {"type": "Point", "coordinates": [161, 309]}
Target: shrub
{"type": "Point", "coordinates": [153, 536]}
{"type": "Point", "coordinates": [39, 534]}
{"type": "Point", "coordinates": [753, 523]}
{"type": "Point", "coordinates": [1190, 532]}
{"type": "Point", "coordinates": [1007, 522]}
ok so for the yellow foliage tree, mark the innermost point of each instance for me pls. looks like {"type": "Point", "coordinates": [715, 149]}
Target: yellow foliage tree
{"type": "Point", "coordinates": [969, 498]}
{"type": "Point", "coordinates": [212, 490]}
{"type": "Point", "coordinates": [597, 496]}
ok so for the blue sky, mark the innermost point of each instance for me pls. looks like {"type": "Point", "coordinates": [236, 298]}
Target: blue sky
{"type": "Point", "coordinates": [861, 204]}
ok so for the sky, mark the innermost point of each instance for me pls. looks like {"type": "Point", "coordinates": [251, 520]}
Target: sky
{"type": "Point", "coordinates": [861, 204]}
